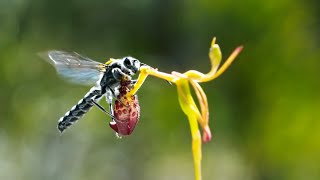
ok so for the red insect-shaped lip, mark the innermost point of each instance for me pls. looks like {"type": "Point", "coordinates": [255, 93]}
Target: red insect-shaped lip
{"type": "Point", "coordinates": [126, 114]}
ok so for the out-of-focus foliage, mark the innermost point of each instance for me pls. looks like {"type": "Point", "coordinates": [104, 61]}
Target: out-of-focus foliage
{"type": "Point", "coordinates": [264, 110]}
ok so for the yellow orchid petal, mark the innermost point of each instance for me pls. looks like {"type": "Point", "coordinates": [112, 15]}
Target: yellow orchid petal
{"type": "Point", "coordinates": [204, 121]}
{"type": "Point", "coordinates": [228, 62]}
{"type": "Point", "coordinates": [187, 104]}
{"type": "Point", "coordinates": [215, 58]}
{"type": "Point", "coordinates": [202, 98]}
{"type": "Point", "coordinates": [186, 100]}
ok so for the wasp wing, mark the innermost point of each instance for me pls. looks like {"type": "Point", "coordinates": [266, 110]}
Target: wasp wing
{"type": "Point", "coordinates": [74, 67]}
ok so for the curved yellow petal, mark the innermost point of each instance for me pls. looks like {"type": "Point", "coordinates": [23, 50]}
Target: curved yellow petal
{"type": "Point", "coordinates": [187, 104]}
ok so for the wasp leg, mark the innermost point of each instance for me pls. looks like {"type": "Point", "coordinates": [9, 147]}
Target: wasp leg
{"type": "Point", "coordinates": [102, 109]}
{"type": "Point", "coordinates": [111, 110]}
{"type": "Point", "coordinates": [119, 75]}
{"type": "Point", "coordinates": [109, 98]}
{"type": "Point", "coordinates": [114, 96]}
{"type": "Point", "coordinates": [96, 98]}
{"type": "Point", "coordinates": [133, 81]}
{"type": "Point", "coordinates": [113, 123]}
{"type": "Point", "coordinates": [112, 92]}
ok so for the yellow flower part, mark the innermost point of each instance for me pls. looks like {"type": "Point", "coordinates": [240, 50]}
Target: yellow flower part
{"type": "Point", "coordinates": [187, 103]}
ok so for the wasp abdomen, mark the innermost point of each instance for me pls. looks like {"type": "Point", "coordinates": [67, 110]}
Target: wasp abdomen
{"type": "Point", "coordinates": [77, 111]}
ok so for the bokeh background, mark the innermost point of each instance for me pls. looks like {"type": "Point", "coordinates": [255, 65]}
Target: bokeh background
{"type": "Point", "coordinates": [264, 110]}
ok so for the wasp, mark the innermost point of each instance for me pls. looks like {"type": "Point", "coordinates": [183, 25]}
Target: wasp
{"type": "Point", "coordinates": [110, 80]}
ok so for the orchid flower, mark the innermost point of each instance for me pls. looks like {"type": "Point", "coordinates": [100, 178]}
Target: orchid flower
{"type": "Point", "coordinates": [183, 81]}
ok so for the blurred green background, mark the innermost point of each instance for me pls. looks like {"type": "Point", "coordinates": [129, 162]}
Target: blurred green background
{"type": "Point", "coordinates": [264, 110]}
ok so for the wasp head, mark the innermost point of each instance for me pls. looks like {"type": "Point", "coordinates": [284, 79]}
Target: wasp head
{"type": "Point", "coordinates": [130, 65]}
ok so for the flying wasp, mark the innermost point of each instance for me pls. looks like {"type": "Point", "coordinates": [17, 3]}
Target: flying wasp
{"type": "Point", "coordinates": [108, 79]}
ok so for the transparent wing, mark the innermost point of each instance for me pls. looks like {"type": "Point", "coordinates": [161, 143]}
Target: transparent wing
{"type": "Point", "coordinates": [73, 67]}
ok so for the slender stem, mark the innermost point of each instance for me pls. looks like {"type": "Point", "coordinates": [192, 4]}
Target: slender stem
{"type": "Point", "coordinates": [144, 72]}
{"type": "Point", "coordinates": [162, 75]}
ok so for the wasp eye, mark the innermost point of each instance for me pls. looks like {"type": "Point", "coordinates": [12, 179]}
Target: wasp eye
{"type": "Point", "coordinates": [127, 62]}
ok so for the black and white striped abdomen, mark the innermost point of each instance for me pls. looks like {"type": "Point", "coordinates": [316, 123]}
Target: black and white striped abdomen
{"type": "Point", "coordinates": [77, 111]}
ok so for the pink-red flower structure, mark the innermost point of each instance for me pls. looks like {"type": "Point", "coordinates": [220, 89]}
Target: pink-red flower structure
{"type": "Point", "coordinates": [126, 110]}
